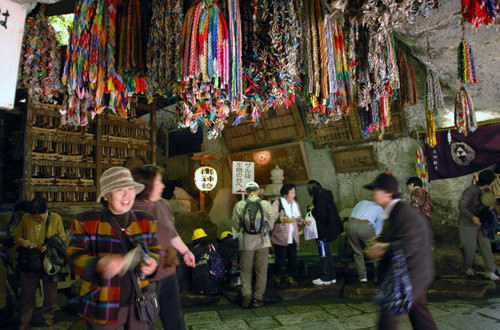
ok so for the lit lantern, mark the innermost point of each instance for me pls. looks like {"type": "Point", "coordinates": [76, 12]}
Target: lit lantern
{"type": "Point", "coordinates": [205, 178]}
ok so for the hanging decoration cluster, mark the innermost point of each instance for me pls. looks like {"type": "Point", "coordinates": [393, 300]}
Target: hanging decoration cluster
{"type": "Point", "coordinates": [421, 168]}
{"type": "Point", "coordinates": [40, 68]}
{"type": "Point", "coordinates": [408, 95]}
{"type": "Point", "coordinates": [271, 41]}
{"type": "Point", "coordinates": [331, 65]}
{"type": "Point", "coordinates": [479, 12]}
{"type": "Point", "coordinates": [433, 103]}
{"type": "Point", "coordinates": [104, 59]}
{"type": "Point", "coordinates": [205, 89]}
{"type": "Point", "coordinates": [465, 116]}
{"type": "Point", "coordinates": [163, 48]}
{"type": "Point", "coordinates": [465, 60]}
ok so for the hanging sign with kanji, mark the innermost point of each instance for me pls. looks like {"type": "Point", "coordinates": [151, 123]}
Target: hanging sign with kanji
{"type": "Point", "coordinates": [243, 172]}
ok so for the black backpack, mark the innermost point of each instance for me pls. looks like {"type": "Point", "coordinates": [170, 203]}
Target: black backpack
{"type": "Point", "coordinates": [253, 218]}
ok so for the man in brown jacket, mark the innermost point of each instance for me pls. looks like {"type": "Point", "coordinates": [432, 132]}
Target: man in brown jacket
{"type": "Point", "coordinates": [405, 225]}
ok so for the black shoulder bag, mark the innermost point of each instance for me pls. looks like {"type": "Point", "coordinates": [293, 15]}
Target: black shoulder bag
{"type": "Point", "coordinates": [31, 260]}
{"type": "Point", "coordinates": [146, 300]}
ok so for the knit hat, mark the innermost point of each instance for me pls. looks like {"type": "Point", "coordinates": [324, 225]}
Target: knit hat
{"type": "Point", "coordinates": [226, 234]}
{"type": "Point", "coordinates": [117, 178]}
{"type": "Point", "coordinates": [198, 233]}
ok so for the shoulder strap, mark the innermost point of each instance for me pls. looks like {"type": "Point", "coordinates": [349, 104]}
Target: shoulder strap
{"type": "Point", "coordinates": [116, 228]}
{"type": "Point", "coordinates": [46, 228]}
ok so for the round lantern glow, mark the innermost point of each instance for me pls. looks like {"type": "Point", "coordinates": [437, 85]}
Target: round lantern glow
{"type": "Point", "coordinates": [205, 178]}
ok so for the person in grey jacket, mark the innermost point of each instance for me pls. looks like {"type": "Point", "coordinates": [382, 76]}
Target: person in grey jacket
{"type": "Point", "coordinates": [470, 226]}
{"type": "Point", "coordinates": [253, 247]}
{"type": "Point", "coordinates": [404, 225]}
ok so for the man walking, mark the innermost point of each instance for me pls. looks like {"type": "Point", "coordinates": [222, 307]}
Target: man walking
{"type": "Point", "coordinates": [252, 220]}
{"type": "Point", "coordinates": [406, 226]}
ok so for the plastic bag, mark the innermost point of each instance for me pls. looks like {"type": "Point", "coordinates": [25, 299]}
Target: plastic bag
{"type": "Point", "coordinates": [311, 231]}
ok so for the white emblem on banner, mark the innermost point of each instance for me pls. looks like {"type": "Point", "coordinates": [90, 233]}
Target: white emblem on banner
{"type": "Point", "coordinates": [462, 153]}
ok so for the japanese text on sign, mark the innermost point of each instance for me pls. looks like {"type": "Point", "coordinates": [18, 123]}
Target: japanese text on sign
{"type": "Point", "coordinates": [243, 172]}
{"type": "Point", "coordinates": [5, 14]}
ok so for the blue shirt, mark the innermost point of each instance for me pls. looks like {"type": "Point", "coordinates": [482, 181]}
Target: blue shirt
{"type": "Point", "coordinates": [367, 210]}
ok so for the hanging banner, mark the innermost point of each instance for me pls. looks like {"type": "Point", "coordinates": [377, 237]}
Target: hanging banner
{"type": "Point", "coordinates": [243, 172]}
{"type": "Point", "coordinates": [457, 155]}
{"type": "Point", "coordinates": [12, 15]}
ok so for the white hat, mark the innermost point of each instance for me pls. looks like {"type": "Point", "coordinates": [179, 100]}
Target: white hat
{"type": "Point", "coordinates": [116, 178]}
{"type": "Point", "coordinates": [252, 186]}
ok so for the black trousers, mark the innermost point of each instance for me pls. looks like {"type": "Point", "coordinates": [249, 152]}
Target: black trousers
{"type": "Point", "coordinates": [420, 316]}
{"type": "Point", "coordinates": [286, 259]}
{"type": "Point", "coordinates": [167, 290]}
{"type": "Point", "coordinates": [326, 263]}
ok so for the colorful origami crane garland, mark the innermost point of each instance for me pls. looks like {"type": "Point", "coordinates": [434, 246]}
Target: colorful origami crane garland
{"type": "Point", "coordinates": [421, 168]}
{"type": "Point", "coordinates": [40, 68]}
{"type": "Point", "coordinates": [433, 103]}
{"type": "Point", "coordinates": [104, 57]}
{"type": "Point", "coordinates": [465, 60]}
{"type": "Point", "coordinates": [205, 68]}
{"type": "Point", "coordinates": [163, 48]}
{"type": "Point", "coordinates": [271, 42]}
{"type": "Point", "coordinates": [465, 116]}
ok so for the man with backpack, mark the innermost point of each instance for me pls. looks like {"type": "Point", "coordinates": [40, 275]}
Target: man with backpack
{"type": "Point", "coordinates": [252, 219]}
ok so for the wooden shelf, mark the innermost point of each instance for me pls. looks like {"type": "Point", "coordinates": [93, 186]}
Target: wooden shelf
{"type": "Point", "coordinates": [62, 138]}
{"type": "Point", "coordinates": [51, 205]}
{"type": "Point", "coordinates": [62, 188]}
{"type": "Point", "coordinates": [57, 163]}
{"type": "Point", "coordinates": [126, 145]}
{"type": "Point", "coordinates": [44, 132]}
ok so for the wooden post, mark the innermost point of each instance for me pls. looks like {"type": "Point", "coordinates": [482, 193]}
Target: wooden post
{"type": "Point", "coordinates": [28, 146]}
{"type": "Point", "coordinates": [153, 131]}
{"type": "Point", "coordinates": [98, 153]}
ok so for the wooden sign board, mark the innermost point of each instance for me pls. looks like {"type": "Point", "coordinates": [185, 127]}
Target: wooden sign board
{"type": "Point", "coordinates": [243, 172]}
{"type": "Point", "coordinates": [354, 160]}
{"type": "Point", "coordinates": [291, 157]}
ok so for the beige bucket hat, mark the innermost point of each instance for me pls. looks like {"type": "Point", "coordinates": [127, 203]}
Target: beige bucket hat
{"type": "Point", "coordinates": [116, 178]}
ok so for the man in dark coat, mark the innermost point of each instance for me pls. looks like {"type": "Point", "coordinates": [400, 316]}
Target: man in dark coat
{"type": "Point", "coordinates": [404, 225]}
{"type": "Point", "coordinates": [329, 228]}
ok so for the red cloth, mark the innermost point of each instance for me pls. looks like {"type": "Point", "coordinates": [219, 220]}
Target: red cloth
{"type": "Point", "coordinates": [475, 13]}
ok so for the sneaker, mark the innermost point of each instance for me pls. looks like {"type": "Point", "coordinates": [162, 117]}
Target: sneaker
{"type": "Point", "coordinates": [491, 276]}
{"type": "Point", "coordinates": [256, 303]}
{"type": "Point", "coordinates": [363, 280]}
{"type": "Point", "coordinates": [319, 281]}
{"type": "Point", "coordinates": [469, 272]}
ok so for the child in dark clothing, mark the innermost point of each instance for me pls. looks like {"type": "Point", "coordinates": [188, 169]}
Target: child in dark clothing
{"type": "Point", "coordinates": [228, 249]}
{"type": "Point", "coordinates": [201, 280]}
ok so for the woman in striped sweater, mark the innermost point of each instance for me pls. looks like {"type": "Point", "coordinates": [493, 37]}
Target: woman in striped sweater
{"type": "Point", "coordinates": [96, 252]}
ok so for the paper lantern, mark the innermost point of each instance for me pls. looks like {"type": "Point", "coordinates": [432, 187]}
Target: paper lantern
{"type": "Point", "coordinates": [205, 178]}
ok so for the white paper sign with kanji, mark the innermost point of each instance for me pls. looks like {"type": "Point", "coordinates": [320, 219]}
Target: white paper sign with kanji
{"type": "Point", "coordinates": [243, 172]}
{"type": "Point", "coordinates": [12, 15]}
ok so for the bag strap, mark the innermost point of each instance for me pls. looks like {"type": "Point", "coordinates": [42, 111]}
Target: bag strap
{"type": "Point", "coordinates": [119, 232]}
{"type": "Point", "coordinates": [46, 228]}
